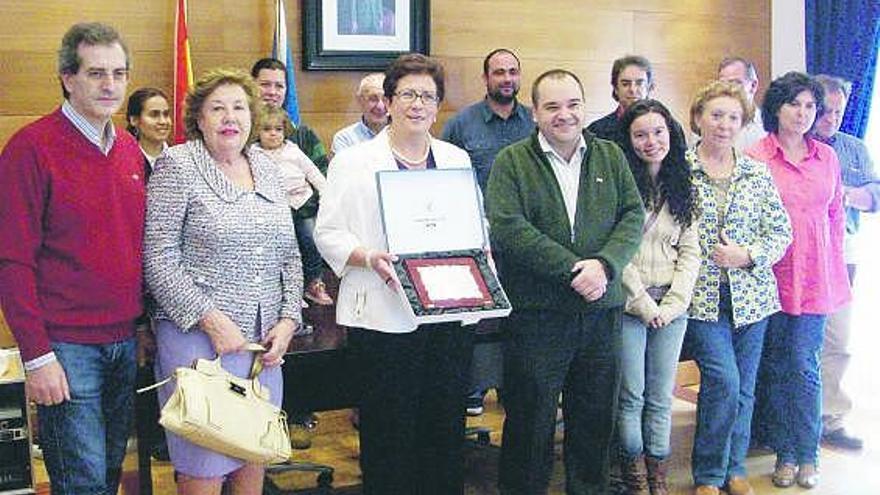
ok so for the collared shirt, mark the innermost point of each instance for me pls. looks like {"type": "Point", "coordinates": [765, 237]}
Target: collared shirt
{"type": "Point", "coordinates": [750, 134]}
{"type": "Point", "coordinates": [608, 127]}
{"type": "Point", "coordinates": [856, 170]}
{"type": "Point", "coordinates": [102, 138]}
{"type": "Point", "coordinates": [351, 135]}
{"type": "Point", "coordinates": [482, 133]}
{"type": "Point", "coordinates": [812, 275]}
{"type": "Point", "coordinates": [151, 160]}
{"type": "Point", "coordinates": [567, 172]}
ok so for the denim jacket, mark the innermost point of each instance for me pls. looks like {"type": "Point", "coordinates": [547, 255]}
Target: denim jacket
{"type": "Point", "coordinates": [755, 219]}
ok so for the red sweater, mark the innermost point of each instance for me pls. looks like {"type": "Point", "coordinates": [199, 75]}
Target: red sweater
{"type": "Point", "coordinates": [71, 230]}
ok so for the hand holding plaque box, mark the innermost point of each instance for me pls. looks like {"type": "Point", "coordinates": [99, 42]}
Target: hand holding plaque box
{"type": "Point", "coordinates": [433, 222]}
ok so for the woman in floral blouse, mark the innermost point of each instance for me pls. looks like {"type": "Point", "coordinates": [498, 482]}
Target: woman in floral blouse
{"type": "Point", "coordinates": [743, 231]}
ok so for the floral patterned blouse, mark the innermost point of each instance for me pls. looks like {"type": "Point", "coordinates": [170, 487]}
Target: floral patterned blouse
{"type": "Point", "coordinates": [754, 218]}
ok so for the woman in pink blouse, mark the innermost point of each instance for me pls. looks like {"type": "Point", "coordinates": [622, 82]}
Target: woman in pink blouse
{"type": "Point", "coordinates": [812, 276]}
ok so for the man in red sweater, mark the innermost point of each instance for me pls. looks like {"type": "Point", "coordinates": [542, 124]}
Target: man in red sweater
{"type": "Point", "coordinates": [72, 218]}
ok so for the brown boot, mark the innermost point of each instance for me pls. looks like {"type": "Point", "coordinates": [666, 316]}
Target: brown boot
{"type": "Point", "coordinates": [635, 478]}
{"type": "Point", "coordinates": [657, 469]}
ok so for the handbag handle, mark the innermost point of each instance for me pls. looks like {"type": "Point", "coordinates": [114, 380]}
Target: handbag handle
{"type": "Point", "coordinates": [257, 366]}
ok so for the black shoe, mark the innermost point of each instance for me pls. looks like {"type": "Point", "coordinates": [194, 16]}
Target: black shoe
{"type": "Point", "coordinates": [474, 406]}
{"type": "Point", "coordinates": [159, 452]}
{"type": "Point", "coordinates": [841, 439]}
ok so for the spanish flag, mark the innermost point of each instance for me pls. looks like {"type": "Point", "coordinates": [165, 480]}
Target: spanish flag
{"type": "Point", "coordinates": [183, 73]}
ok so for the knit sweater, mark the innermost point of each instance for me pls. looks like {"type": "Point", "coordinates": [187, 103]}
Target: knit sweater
{"type": "Point", "coordinates": [532, 235]}
{"type": "Point", "coordinates": [72, 226]}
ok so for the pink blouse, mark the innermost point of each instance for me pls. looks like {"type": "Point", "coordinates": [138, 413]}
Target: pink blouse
{"type": "Point", "coordinates": [812, 275]}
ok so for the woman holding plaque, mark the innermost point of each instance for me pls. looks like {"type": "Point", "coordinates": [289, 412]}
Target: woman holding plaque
{"type": "Point", "coordinates": [413, 377]}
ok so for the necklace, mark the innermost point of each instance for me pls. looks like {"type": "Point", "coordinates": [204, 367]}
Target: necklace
{"type": "Point", "coordinates": [721, 169]}
{"type": "Point", "coordinates": [400, 156]}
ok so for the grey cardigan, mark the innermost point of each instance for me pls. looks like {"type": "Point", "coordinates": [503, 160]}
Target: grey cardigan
{"type": "Point", "coordinates": [210, 244]}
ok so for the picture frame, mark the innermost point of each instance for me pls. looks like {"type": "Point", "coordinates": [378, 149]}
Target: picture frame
{"type": "Point", "coordinates": [362, 35]}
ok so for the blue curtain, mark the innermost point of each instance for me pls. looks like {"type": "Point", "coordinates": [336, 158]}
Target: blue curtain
{"type": "Point", "coordinates": [842, 40]}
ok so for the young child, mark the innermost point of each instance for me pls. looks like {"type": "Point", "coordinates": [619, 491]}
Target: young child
{"type": "Point", "coordinates": [300, 178]}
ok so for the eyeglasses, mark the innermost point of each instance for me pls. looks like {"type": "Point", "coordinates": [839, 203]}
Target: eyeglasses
{"type": "Point", "coordinates": [409, 96]}
{"type": "Point", "coordinates": [118, 75]}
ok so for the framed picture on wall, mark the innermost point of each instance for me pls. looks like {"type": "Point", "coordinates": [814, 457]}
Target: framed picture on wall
{"type": "Point", "coordinates": [362, 34]}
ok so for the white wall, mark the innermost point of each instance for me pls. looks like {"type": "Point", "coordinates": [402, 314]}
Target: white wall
{"type": "Point", "coordinates": [787, 38]}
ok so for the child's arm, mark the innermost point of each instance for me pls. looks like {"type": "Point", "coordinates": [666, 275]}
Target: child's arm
{"type": "Point", "coordinates": [313, 174]}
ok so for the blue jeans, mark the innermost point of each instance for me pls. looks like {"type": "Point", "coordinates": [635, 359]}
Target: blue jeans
{"type": "Point", "coordinates": [312, 263]}
{"type": "Point", "coordinates": [648, 363]}
{"type": "Point", "coordinates": [84, 439]}
{"type": "Point", "coordinates": [728, 359]}
{"type": "Point", "coordinates": [794, 386]}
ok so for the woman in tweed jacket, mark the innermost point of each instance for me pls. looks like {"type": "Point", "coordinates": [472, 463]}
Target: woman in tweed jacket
{"type": "Point", "coordinates": [221, 260]}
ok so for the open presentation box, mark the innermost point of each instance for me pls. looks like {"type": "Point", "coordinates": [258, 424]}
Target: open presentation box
{"type": "Point", "coordinates": [433, 221]}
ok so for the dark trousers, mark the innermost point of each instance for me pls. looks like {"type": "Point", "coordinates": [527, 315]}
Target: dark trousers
{"type": "Point", "coordinates": [548, 352]}
{"type": "Point", "coordinates": [413, 388]}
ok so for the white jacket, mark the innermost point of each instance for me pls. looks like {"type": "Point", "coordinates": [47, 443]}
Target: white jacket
{"type": "Point", "coordinates": [349, 217]}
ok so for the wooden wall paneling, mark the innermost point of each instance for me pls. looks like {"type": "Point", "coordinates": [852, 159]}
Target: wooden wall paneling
{"type": "Point", "coordinates": [569, 30]}
{"type": "Point", "coordinates": [684, 39]}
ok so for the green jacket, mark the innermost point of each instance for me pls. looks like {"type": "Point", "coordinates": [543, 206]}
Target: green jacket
{"type": "Point", "coordinates": [530, 228]}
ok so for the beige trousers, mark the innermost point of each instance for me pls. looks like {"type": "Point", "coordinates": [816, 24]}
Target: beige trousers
{"type": "Point", "coordinates": [836, 404]}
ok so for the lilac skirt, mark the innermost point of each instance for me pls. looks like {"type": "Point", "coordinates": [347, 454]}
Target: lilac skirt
{"type": "Point", "coordinates": [176, 349]}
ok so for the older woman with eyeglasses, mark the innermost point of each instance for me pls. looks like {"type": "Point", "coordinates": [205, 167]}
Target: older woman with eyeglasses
{"type": "Point", "coordinates": [413, 377]}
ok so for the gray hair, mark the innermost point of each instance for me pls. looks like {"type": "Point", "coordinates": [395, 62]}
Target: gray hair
{"type": "Point", "coordinates": [834, 83]}
{"type": "Point", "coordinates": [89, 33]}
{"type": "Point", "coordinates": [374, 79]}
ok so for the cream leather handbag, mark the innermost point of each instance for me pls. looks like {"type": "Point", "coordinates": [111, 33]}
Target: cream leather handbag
{"type": "Point", "coordinates": [219, 411]}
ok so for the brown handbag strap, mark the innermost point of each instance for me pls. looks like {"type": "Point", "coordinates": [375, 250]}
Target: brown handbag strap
{"type": "Point", "coordinates": [652, 218]}
{"type": "Point", "coordinates": [257, 366]}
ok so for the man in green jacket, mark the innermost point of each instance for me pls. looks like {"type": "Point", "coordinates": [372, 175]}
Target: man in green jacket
{"type": "Point", "coordinates": [565, 219]}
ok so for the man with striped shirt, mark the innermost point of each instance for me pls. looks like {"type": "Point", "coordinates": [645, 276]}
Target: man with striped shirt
{"type": "Point", "coordinates": [72, 218]}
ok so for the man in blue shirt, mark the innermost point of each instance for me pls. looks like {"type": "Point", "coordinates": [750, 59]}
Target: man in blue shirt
{"type": "Point", "coordinates": [861, 194]}
{"type": "Point", "coordinates": [497, 120]}
{"type": "Point", "coordinates": [374, 115]}
{"type": "Point", "coordinates": [482, 129]}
